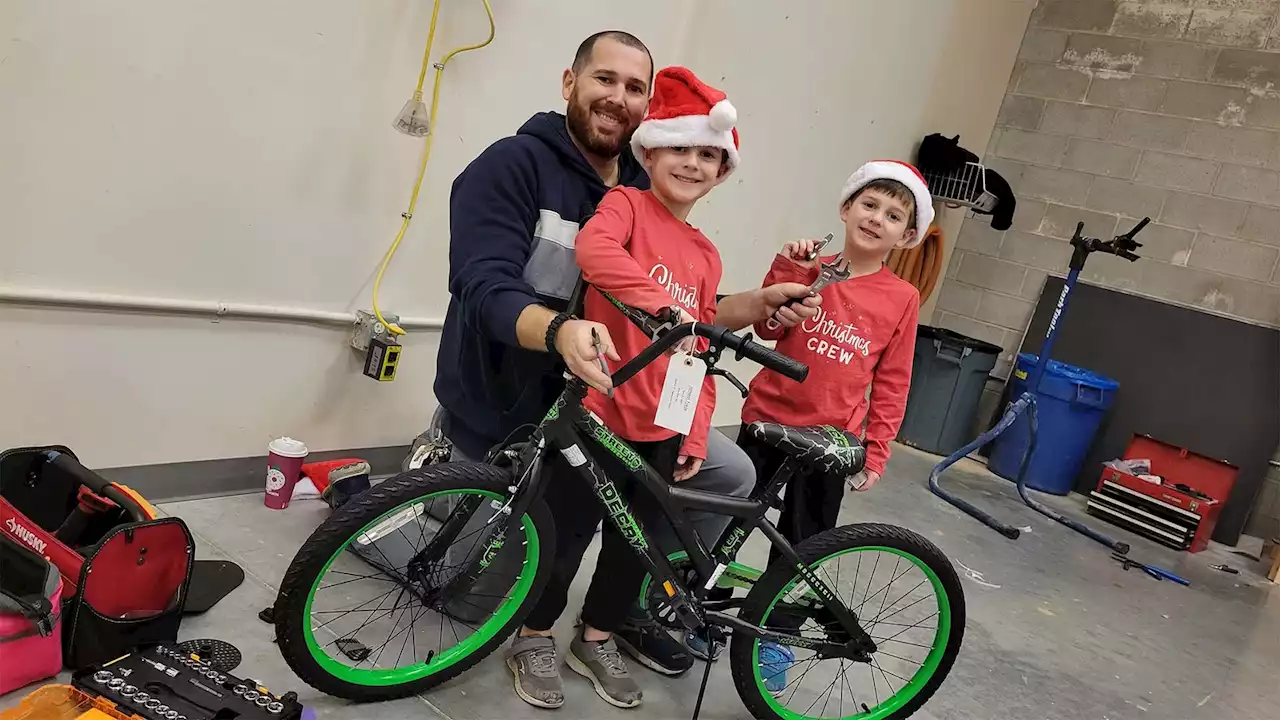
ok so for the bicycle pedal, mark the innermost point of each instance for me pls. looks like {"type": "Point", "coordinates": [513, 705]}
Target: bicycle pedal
{"type": "Point", "coordinates": [676, 611]}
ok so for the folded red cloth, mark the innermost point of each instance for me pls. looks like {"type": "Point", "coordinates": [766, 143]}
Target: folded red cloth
{"type": "Point", "coordinates": [326, 471]}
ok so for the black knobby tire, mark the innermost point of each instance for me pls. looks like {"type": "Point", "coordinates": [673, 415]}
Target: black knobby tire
{"type": "Point", "coordinates": [777, 576]}
{"type": "Point", "coordinates": [334, 534]}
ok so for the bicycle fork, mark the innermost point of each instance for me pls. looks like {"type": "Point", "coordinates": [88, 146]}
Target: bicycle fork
{"type": "Point", "coordinates": [506, 517]}
{"type": "Point", "coordinates": [860, 642]}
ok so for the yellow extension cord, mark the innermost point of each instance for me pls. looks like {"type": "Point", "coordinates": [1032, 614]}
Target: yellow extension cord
{"type": "Point", "coordinates": [426, 152]}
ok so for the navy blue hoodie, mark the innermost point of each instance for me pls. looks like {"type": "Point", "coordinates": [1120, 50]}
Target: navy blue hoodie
{"type": "Point", "coordinates": [513, 215]}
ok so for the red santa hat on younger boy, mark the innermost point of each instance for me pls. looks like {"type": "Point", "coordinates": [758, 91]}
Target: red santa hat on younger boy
{"type": "Point", "coordinates": [904, 173]}
{"type": "Point", "coordinates": [686, 112]}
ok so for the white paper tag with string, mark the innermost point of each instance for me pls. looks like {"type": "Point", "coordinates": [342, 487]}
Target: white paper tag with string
{"type": "Point", "coordinates": [680, 392]}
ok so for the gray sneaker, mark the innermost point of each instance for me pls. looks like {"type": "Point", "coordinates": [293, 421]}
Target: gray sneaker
{"type": "Point", "coordinates": [536, 670]}
{"type": "Point", "coordinates": [602, 664]}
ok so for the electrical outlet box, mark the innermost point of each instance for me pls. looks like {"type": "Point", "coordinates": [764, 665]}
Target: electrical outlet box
{"type": "Point", "coordinates": [368, 328]}
{"type": "Point", "coordinates": [382, 359]}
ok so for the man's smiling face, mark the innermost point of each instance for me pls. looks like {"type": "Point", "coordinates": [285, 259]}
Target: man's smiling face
{"type": "Point", "coordinates": [608, 97]}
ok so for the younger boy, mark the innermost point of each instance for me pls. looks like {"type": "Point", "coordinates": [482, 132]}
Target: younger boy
{"type": "Point", "coordinates": [639, 248]}
{"type": "Point", "coordinates": [863, 335]}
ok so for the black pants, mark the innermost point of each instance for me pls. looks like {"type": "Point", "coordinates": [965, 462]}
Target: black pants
{"type": "Point", "coordinates": [812, 501]}
{"type": "Point", "coordinates": [811, 505]}
{"type": "Point", "coordinates": [619, 573]}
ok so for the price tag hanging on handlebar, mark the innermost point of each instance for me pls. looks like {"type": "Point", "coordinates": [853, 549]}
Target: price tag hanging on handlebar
{"type": "Point", "coordinates": [680, 393]}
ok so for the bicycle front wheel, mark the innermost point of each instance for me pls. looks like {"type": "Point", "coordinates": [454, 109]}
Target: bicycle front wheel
{"type": "Point", "coordinates": [384, 599]}
{"type": "Point", "coordinates": [904, 593]}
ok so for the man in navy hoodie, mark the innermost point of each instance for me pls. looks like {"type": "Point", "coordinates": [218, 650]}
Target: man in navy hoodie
{"type": "Point", "coordinates": [514, 213]}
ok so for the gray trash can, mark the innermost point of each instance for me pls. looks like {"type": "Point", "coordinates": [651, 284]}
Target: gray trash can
{"type": "Point", "coordinates": [947, 378]}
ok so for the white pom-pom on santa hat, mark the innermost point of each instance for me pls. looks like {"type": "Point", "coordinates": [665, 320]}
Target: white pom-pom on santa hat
{"type": "Point", "coordinates": [686, 112]}
{"type": "Point", "coordinates": [723, 116]}
{"type": "Point", "coordinates": [905, 173]}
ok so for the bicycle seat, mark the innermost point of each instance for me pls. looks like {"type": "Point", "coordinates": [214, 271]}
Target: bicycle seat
{"type": "Point", "coordinates": [824, 447]}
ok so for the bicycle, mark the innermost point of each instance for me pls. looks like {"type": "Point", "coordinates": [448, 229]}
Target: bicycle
{"type": "Point", "coordinates": [504, 510]}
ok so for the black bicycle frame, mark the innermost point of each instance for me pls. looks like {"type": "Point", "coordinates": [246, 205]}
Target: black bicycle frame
{"type": "Point", "coordinates": [571, 430]}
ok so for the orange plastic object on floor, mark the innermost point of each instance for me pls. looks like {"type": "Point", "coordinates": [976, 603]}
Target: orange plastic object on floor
{"type": "Point", "coordinates": [63, 702]}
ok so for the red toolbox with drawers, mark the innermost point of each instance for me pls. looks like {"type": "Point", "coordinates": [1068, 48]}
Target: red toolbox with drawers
{"type": "Point", "coordinates": [1181, 510]}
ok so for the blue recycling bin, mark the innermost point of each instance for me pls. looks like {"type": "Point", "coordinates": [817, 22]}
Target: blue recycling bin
{"type": "Point", "coordinates": [1070, 403]}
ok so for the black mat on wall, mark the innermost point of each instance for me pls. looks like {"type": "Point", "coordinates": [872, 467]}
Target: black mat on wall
{"type": "Point", "coordinates": [1189, 378]}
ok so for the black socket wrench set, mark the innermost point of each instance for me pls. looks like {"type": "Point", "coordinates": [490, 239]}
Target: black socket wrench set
{"type": "Point", "coordinates": [165, 683]}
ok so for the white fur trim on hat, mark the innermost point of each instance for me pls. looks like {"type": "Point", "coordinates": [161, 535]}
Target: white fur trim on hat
{"type": "Point", "coordinates": [686, 131]}
{"type": "Point", "coordinates": [903, 173]}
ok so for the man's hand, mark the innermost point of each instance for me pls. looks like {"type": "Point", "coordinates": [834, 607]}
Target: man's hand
{"type": "Point", "coordinates": [575, 345]}
{"type": "Point", "coordinates": [687, 467]}
{"type": "Point", "coordinates": [798, 252]}
{"type": "Point", "coordinates": [864, 480]}
{"type": "Point", "coordinates": [776, 296]}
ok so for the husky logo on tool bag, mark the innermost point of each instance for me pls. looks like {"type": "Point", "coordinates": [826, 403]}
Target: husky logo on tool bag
{"type": "Point", "coordinates": [25, 535]}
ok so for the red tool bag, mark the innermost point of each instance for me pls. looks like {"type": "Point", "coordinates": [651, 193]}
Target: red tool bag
{"type": "Point", "coordinates": [125, 571]}
{"type": "Point", "coordinates": [30, 616]}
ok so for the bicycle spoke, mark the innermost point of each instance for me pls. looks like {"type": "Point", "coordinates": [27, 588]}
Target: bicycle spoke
{"type": "Point", "coordinates": [355, 609]}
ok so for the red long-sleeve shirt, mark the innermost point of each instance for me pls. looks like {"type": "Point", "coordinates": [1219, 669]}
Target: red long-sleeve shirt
{"type": "Point", "coordinates": [634, 249]}
{"type": "Point", "coordinates": [864, 334]}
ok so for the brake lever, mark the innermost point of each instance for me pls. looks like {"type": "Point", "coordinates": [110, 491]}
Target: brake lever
{"type": "Point", "coordinates": [729, 376]}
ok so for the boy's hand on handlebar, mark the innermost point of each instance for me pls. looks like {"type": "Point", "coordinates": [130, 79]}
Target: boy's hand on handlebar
{"type": "Point", "coordinates": [575, 345]}
{"type": "Point", "coordinates": [687, 467]}
{"type": "Point", "coordinates": [775, 301]}
{"type": "Point", "coordinates": [689, 344]}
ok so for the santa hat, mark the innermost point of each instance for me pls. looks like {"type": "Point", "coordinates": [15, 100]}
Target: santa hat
{"type": "Point", "coordinates": [904, 173]}
{"type": "Point", "coordinates": [686, 112]}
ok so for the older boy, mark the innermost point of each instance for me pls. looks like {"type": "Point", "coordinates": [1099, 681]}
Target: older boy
{"type": "Point", "coordinates": [639, 248]}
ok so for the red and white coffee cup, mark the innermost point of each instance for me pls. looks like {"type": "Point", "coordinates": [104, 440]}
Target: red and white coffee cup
{"type": "Point", "coordinates": [284, 468]}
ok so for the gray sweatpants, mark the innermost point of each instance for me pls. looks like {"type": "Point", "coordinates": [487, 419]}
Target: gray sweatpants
{"type": "Point", "coordinates": [726, 471]}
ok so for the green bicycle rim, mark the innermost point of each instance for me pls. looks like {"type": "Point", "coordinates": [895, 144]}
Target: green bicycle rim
{"type": "Point", "coordinates": [918, 681]}
{"type": "Point", "coordinates": [501, 616]}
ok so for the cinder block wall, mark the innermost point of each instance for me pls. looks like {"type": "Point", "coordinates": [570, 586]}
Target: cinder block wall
{"type": "Point", "coordinates": [1118, 110]}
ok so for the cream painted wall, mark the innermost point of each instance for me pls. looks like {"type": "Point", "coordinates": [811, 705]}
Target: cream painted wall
{"type": "Point", "coordinates": [242, 152]}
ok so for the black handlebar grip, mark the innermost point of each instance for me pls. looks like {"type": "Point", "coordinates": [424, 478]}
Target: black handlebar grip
{"type": "Point", "coordinates": [80, 473]}
{"type": "Point", "coordinates": [95, 482]}
{"type": "Point", "coordinates": [1138, 228]}
{"type": "Point", "coordinates": [775, 361]}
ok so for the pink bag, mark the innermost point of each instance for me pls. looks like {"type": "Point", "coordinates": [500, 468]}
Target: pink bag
{"type": "Point", "coordinates": [30, 616]}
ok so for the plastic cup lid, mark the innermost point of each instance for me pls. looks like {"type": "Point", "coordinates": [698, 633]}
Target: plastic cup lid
{"type": "Point", "coordinates": [288, 447]}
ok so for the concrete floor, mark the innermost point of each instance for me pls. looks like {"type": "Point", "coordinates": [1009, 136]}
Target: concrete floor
{"type": "Point", "coordinates": [1056, 630]}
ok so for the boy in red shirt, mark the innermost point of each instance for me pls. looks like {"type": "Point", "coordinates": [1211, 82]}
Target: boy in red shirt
{"type": "Point", "coordinates": [639, 248]}
{"type": "Point", "coordinates": [863, 335]}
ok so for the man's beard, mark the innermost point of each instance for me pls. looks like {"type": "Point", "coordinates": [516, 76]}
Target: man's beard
{"type": "Point", "coordinates": [606, 146]}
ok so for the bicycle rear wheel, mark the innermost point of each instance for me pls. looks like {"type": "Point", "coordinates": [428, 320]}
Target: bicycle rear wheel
{"type": "Point", "coordinates": [917, 626]}
{"type": "Point", "coordinates": [401, 628]}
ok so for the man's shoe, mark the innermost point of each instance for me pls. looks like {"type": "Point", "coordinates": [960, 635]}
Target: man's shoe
{"type": "Point", "coordinates": [652, 646]}
{"type": "Point", "coordinates": [775, 660]}
{"type": "Point", "coordinates": [536, 668]}
{"type": "Point", "coordinates": [696, 641]}
{"type": "Point", "coordinates": [602, 664]}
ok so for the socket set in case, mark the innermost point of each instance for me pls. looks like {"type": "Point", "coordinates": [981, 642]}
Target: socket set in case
{"type": "Point", "coordinates": [165, 683]}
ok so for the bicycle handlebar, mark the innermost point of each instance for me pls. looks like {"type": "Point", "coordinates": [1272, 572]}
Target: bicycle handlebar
{"type": "Point", "coordinates": [666, 333]}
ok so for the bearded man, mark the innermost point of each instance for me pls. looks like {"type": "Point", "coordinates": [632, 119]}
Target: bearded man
{"type": "Point", "coordinates": [508, 337]}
